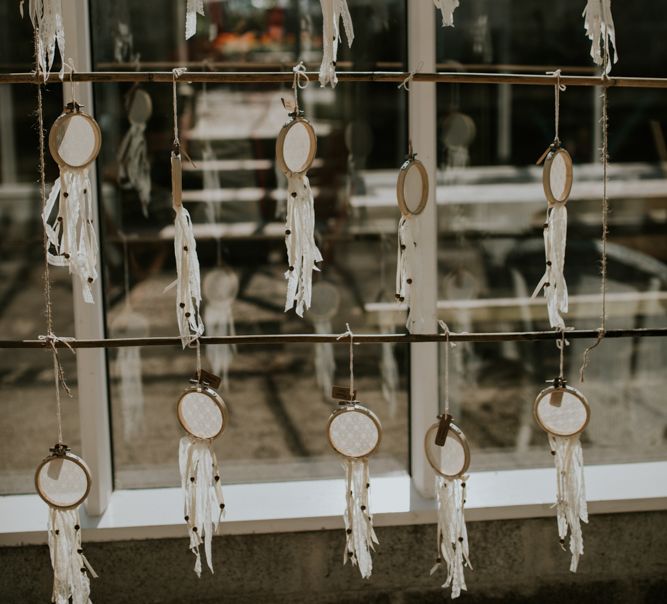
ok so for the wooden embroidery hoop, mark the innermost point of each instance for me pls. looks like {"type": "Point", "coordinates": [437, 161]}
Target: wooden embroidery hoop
{"type": "Point", "coordinates": [214, 402]}
{"type": "Point", "coordinates": [59, 130]}
{"type": "Point", "coordinates": [60, 452]}
{"type": "Point", "coordinates": [300, 121]}
{"type": "Point", "coordinates": [140, 107]}
{"type": "Point", "coordinates": [412, 163]}
{"type": "Point", "coordinates": [355, 408]}
{"type": "Point", "coordinates": [560, 388]}
{"type": "Point", "coordinates": [557, 151]}
{"type": "Point", "coordinates": [454, 433]}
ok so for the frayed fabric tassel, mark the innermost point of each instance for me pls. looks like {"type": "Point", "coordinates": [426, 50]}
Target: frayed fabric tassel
{"type": "Point", "coordinates": [47, 20]}
{"type": "Point", "coordinates": [200, 480]}
{"type": "Point", "coordinates": [220, 322]}
{"type": "Point", "coordinates": [358, 524]}
{"type": "Point", "coordinates": [553, 280]}
{"type": "Point", "coordinates": [325, 361]}
{"type": "Point", "coordinates": [134, 169]}
{"type": "Point", "coordinates": [192, 9]}
{"type": "Point", "coordinates": [599, 26]}
{"type": "Point", "coordinates": [447, 8]}
{"type": "Point", "coordinates": [407, 269]}
{"type": "Point", "coordinates": [188, 279]}
{"type": "Point", "coordinates": [70, 567]}
{"type": "Point", "coordinates": [332, 13]}
{"type": "Point", "coordinates": [128, 369]}
{"type": "Point", "coordinates": [302, 252]}
{"type": "Point", "coordinates": [69, 230]}
{"type": "Point", "coordinates": [571, 506]}
{"type": "Point", "coordinates": [453, 552]}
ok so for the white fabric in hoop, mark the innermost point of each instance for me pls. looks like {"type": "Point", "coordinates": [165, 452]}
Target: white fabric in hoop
{"type": "Point", "coordinates": [63, 482]}
{"type": "Point", "coordinates": [201, 415]}
{"type": "Point", "coordinates": [353, 434]}
{"type": "Point", "coordinates": [333, 11]}
{"type": "Point", "coordinates": [569, 416]}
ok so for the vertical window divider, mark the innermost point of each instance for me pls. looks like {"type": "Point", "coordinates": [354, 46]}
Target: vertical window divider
{"type": "Point", "coordinates": [89, 318]}
{"type": "Point", "coordinates": [422, 112]}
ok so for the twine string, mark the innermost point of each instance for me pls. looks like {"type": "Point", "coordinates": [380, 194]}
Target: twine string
{"type": "Point", "coordinates": [561, 344]}
{"type": "Point", "coordinates": [300, 82]}
{"type": "Point", "coordinates": [558, 88]}
{"type": "Point", "coordinates": [605, 232]}
{"type": "Point", "coordinates": [405, 84]}
{"type": "Point", "coordinates": [177, 72]}
{"type": "Point", "coordinates": [448, 345]}
{"type": "Point", "coordinates": [350, 334]}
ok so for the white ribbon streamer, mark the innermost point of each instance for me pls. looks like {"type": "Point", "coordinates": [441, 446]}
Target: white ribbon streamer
{"type": "Point", "coordinates": [332, 13]}
{"type": "Point", "coordinates": [69, 230]}
{"type": "Point", "coordinates": [134, 169]}
{"type": "Point", "coordinates": [447, 8]}
{"type": "Point", "coordinates": [302, 251]}
{"type": "Point", "coordinates": [599, 26]}
{"type": "Point", "coordinates": [358, 524]}
{"type": "Point", "coordinates": [201, 483]}
{"type": "Point", "coordinates": [47, 20]}
{"type": "Point", "coordinates": [70, 567]}
{"type": "Point", "coordinates": [571, 506]}
{"type": "Point", "coordinates": [408, 271]}
{"type": "Point", "coordinates": [452, 532]}
{"type": "Point", "coordinates": [553, 280]}
{"type": "Point", "coordinates": [192, 9]}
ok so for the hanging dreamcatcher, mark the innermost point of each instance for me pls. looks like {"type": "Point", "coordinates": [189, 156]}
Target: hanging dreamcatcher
{"type": "Point", "coordinates": [563, 413]}
{"type": "Point", "coordinates": [412, 193]}
{"type": "Point", "coordinates": [129, 324]}
{"type": "Point", "coordinates": [447, 8]}
{"type": "Point", "coordinates": [188, 280]}
{"type": "Point", "coordinates": [221, 286]}
{"type": "Point", "coordinates": [448, 453]}
{"type": "Point", "coordinates": [295, 150]}
{"type": "Point", "coordinates": [355, 432]}
{"type": "Point", "coordinates": [599, 26]}
{"type": "Point", "coordinates": [192, 9]}
{"type": "Point", "coordinates": [47, 21]}
{"type": "Point", "coordinates": [324, 307]}
{"type": "Point", "coordinates": [203, 415]}
{"type": "Point", "coordinates": [557, 184]}
{"type": "Point", "coordinates": [63, 481]}
{"type": "Point", "coordinates": [134, 167]}
{"type": "Point", "coordinates": [74, 143]}
{"type": "Point", "coordinates": [333, 12]}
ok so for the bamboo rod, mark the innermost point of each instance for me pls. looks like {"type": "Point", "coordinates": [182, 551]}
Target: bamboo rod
{"type": "Point", "coordinates": [525, 336]}
{"type": "Point", "coordinates": [240, 77]}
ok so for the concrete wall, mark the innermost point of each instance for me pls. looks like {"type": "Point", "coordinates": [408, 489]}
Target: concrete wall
{"type": "Point", "coordinates": [625, 561]}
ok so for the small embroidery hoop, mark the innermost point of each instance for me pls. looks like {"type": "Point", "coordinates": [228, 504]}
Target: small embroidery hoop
{"type": "Point", "coordinates": [458, 130]}
{"type": "Point", "coordinates": [214, 403]}
{"type": "Point", "coordinates": [560, 387]}
{"type": "Point", "coordinates": [556, 151]}
{"type": "Point", "coordinates": [347, 410]}
{"type": "Point", "coordinates": [61, 453]}
{"type": "Point", "coordinates": [296, 121]}
{"type": "Point", "coordinates": [456, 435]}
{"type": "Point", "coordinates": [412, 163]}
{"type": "Point", "coordinates": [59, 131]}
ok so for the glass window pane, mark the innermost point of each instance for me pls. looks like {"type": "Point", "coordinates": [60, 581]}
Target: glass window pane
{"type": "Point", "coordinates": [236, 197]}
{"type": "Point", "coordinates": [492, 208]}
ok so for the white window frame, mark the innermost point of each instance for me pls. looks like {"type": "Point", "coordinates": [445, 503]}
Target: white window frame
{"type": "Point", "coordinates": [313, 504]}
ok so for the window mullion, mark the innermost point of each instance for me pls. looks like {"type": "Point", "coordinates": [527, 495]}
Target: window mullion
{"type": "Point", "coordinates": [89, 318]}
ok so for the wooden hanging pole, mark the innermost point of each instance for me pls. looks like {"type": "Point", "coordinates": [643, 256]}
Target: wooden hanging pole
{"type": "Point", "coordinates": [254, 77]}
{"type": "Point", "coordinates": [526, 336]}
